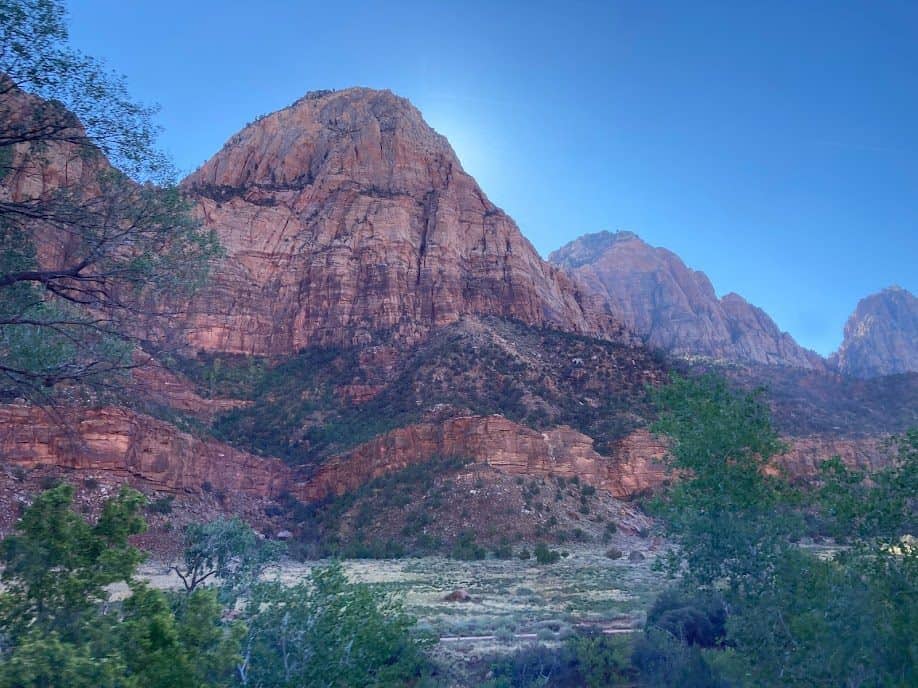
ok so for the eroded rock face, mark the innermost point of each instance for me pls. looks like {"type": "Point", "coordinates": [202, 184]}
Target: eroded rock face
{"type": "Point", "coordinates": [635, 466]}
{"type": "Point", "coordinates": [347, 219]}
{"type": "Point", "coordinates": [493, 440]}
{"type": "Point", "coordinates": [130, 445]}
{"type": "Point", "coordinates": [673, 307]}
{"type": "Point", "coordinates": [881, 336]}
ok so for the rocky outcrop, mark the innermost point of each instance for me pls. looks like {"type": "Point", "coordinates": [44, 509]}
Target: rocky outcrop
{"type": "Point", "coordinates": [492, 440]}
{"type": "Point", "coordinates": [127, 445]}
{"type": "Point", "coordinates": [347, 219]}
{"type": "Point", "coordinates": [673, 307]}
{"type": "Point", "coordinates": [634, 467]}
{"type": "Point", "coordinates": [881, 336]}
{"type": "Point", "coordinates": [502, 444]}
{"type": "Point", "coordinates": [131, 446]}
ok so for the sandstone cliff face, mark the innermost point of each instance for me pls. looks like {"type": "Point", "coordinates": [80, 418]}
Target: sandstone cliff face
{"type": "Point", "coordinates": [347, 219]}
{"type": "Point", "coordinates": [881, 336]}
{"type": "Point", "coordinates": [673, 307]}
{"type": "Point", "coordinates": [127, 445]}
{"type": "Point", "coordinates": [493, 440]}
{"type": "Point", "coordinates": [634, 467]}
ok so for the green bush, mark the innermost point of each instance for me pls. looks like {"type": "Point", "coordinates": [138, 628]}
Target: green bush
{"type": "Point", "coordinates": [466, 549]}
{"type": "Point", "coordinates": [602, 660]}
{"type": "Point", "coordinates": [544, 555]}
{"type": "Point", "coordinates": [536, 666]}
{"type": "Point", "coordinates": [664, 662]}
{"type": "Point", "coordinates": [162, 505]}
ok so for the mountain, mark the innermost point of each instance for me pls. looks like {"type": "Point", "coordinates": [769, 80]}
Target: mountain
{"type": "Point", "coordinates": [347, 219]}
{"type": "Point", "coordinates": [881, 336]}
{"type": "Point", "coordinates": [674, 307]}
{"type": "Point", "coordinates": [382, 355]}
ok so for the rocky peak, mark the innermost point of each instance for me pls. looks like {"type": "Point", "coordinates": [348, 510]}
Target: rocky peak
{"type": "Point", "coordinates": [674, 307]}
{"type": "Point", "coordinates": [356, 135]}
{"type": "Point", "coordinates": [346, 218]}
{"type": "Point", "coordinates": [881, 336]}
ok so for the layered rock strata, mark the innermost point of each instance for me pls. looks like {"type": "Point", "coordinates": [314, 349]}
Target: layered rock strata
{"type": "Point", "coordinates": [127, 445]}
{"type": "Point", "coordinates": [347, 219]}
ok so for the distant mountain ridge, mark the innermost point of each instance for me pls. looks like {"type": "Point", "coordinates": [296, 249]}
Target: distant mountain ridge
{"type": "Point", "coordinates": [674, 307]}
{"type": "Point", "coordinates": [881, 336]}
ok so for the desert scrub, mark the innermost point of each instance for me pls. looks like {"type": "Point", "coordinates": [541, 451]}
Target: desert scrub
{"type": "Point", "coordinates": [544, 555]}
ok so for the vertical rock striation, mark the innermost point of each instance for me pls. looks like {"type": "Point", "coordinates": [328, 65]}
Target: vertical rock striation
{"type": "Point", "coordinates": [347, 220]}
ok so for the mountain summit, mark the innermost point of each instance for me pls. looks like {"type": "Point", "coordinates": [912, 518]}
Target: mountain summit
{"type": "Point", "coordinates": [881, 336]}
{"type": "Point", "coordinates": [674, 307]}
{"type": "Point", "coordinates": [347, 219]}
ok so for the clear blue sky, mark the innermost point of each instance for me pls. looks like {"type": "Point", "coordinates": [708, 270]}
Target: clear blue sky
{"type": "Point", "coordinates": [773, 145]}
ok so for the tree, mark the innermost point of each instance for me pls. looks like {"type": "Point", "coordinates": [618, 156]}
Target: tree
{"type": "Point", "coordinates": [94, 236]}
{"type": "Point", "coordinates": [728, 512]}
{"type": "Point", "coordinates": [792, 619]}
{"type": "Point", "coordinates": [228, 549]}
{"type": "Point", "coordinates": [56, 565]}
{"type": "Point", "coordinates": [59, 627]}
{"type": "Point", "coordinates": [328, 632]}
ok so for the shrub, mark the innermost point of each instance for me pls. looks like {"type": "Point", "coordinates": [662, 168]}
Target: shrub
{"type": "Point", "coordinates": [614, 553]}
{"type": "Point", "coordinates": [536, 666]}
{"type": "Point", "coordinates": [503, 550]}
{"type": "Point", "coordinates": [49, 482]}
{"type": "Point", "coordinates": [163, 505]}
{"type": "Point", "coordinates": [665, 662]}
{"type": "Point", "coordinates": [695, 619]}
{"type": "Point", "coordinates": [466, 549]}
{"type": "Point", "coordinates": [602, 660]}
{"type": "Point", "coordinates": [544, 555]}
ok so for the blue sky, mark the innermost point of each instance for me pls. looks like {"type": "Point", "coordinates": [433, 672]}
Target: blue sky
{"type": "Point", "coordinates": [773, 145]}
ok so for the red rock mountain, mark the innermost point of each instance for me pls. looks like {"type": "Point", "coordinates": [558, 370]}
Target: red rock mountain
{"type": "Point", "coordinates": [347, 220]}
{"type": "Point", "coordinates": [881, 336]}
{"type": "Point", "coordinates": [674, 307]}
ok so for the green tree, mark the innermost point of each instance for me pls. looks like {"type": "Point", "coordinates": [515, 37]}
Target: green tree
{"type": "Point", "coordinates": [227, 549]}
{"type": "Point", "coordinates": [56, 565]}
{"type": "Point", "coordinates": [86, 253]}
{"type": "Point", "coordinates": [328, 632]}
{"type": "Point", "coordinates": [59, 627]}
{"type": "Point", "coordinates": [729, 515]}
{"type": "Point", "coordinates": [793, 619]}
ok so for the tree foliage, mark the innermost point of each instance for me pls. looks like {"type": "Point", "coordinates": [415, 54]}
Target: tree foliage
{"type": "Point", "coordinates": [328, 632]}
{"type": "Point", "coordinates": [228, 549]}
{"type": "Point", "coordinates": [792, 618]}
{"type": "Point", "coordinates": [94, 236]}
{"type": "Point", "coordinates": [59, 627]}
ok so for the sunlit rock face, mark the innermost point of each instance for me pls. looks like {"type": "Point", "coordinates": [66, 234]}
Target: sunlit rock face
{"type": "Point", "coordinates": [881, 336]}
{"type": "Point", "coordinates": [674, 307]}
{"type": "Point", "coordinates": [347, 219]}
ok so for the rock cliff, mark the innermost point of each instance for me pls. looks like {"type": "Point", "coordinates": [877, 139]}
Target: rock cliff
{"type": "Point", "coordinates": [346, 220]}
{"type": "Point", "coordinates": [674, 307]}
{"type": "Point", "coordinates": [128, 445]}
{"type": "Point", "coordinates": [881, 336]}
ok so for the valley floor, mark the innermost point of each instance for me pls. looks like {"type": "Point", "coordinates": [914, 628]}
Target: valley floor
{"type": "Point", "coordinates": [512, 603]}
